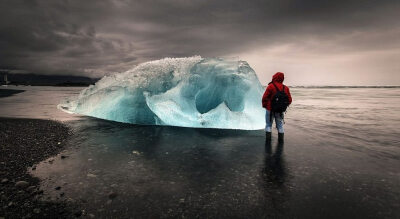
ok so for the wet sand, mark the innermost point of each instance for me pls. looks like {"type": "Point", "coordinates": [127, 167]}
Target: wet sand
{"type": "Point", "coordinates": [116, 170]}
{"type": "Point", "coordinates": [9, 92]}
{"type": "Point", "coordinates": [24, 143]}
{"type": "Point", "coordinates": [337, 161]}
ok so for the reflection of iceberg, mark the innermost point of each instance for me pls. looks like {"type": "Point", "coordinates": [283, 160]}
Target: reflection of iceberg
{"type": "Point", "coordinates": [189, 92]}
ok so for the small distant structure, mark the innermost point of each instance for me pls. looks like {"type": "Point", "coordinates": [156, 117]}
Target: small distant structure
{"type": "Point", "coordinates": [6, 80]}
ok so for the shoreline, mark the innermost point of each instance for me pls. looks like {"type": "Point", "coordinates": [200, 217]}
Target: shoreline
{"type": "Point", "coordinates": [25, 143]}
{"type": "Point", "coordinates": [334, 163]}
{"type": "Point", "coordinates": [9, 92]}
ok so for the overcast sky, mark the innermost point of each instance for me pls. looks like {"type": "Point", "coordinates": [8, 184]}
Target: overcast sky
{"type": "Point", "coordinates": [322, 42]}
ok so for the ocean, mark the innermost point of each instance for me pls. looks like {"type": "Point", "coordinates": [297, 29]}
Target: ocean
{"type": "Point", "coordinates": [340, 158]}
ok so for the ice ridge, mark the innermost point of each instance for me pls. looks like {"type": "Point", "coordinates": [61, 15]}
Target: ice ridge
{"type": "Point", "coordinates": [189, 92]}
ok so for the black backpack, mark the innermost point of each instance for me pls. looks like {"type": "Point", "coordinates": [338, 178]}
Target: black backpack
{"type": "Point", "coordinates": [280, 101]}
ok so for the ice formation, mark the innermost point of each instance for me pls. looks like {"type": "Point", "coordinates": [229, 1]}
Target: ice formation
{"type": "Point", "coordinates": [188, 92]}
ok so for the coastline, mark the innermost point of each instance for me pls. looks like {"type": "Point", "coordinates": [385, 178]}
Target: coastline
{"type": "Point", "coordinates": [330, 166]}
{"type": "Point", "coordinates": [24, 143]}
{"type": "Point", "coordinates": [9, 92]}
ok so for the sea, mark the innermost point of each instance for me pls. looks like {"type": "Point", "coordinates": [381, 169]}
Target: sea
{"type": "Point", "coordinates": [340, 159]}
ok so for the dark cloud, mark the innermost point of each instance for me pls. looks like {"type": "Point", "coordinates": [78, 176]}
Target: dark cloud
{"type": "Point", "coordinates": [95, 37]}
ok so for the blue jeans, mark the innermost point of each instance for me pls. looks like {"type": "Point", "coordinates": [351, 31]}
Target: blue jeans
{"type": "Point", "coordinates": [278, 122]}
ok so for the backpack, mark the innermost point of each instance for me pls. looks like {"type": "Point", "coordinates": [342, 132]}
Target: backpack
{"type": "Point", "coordinates": [280, 101]}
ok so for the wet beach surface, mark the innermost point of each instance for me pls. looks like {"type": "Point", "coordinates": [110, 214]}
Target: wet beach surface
{"type": "Point", "coordinates": [24, 143]}
{"type": "Point", "coordinates": [338, 161]}
{"type": "Point", "coordinates": [9, 92]}
{"type": "Point", "coordinates": [124, 170]}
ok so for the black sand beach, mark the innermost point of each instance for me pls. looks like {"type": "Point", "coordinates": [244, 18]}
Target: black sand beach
{"type": "Point", "coordinates": [9, 92]}
{"type": "Point", "coordinates": [337, 161]}
{"type": "Point", "coordinates": [24, 143]}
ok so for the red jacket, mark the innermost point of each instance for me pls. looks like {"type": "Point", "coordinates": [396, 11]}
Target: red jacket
{"type": "Point", "coordinates": [277, 79]}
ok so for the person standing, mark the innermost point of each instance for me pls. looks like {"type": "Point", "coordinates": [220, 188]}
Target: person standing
{"type": "Point", "coordinates": [275, 100]}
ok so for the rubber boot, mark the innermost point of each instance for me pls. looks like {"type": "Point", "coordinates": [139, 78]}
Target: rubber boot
{"type": "Point", "coordinates": [280, 137]}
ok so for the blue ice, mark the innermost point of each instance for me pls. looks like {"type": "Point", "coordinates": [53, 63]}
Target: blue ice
{"type": "Point", "coordinates": [189, 92]}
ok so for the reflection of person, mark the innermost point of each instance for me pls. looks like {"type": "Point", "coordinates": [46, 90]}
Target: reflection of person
{"type": "Point", "coordinates": [274, 170]}
{"type": "Point", "coordinates": [271, 103]}
{"type": "Point", "coordinates": [275, 179]}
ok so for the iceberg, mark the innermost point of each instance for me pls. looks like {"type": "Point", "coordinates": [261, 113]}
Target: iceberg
{"type": "Point", "coordinates": [188, 92]}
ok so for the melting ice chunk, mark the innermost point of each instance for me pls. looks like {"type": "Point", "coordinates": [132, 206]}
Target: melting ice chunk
{"type": "Point", "coordinates": [189, 92]}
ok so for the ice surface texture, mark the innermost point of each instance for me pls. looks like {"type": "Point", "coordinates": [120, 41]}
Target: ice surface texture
{"type": "Point", "coordinates": [190, 92]}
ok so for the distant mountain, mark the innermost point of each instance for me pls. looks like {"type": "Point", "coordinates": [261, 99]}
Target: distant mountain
{"type": "Point", "coordinates": [46, 80]}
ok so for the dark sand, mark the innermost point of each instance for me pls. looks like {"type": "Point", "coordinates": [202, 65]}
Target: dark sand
{"type": "Point", "coordinates": [116, 170]}
{"type": "Point", "coordinates": [338, 161]}
{"type": "Point", "coordinates": [9, 92]}
{"type": "Point", "coordinates": [24, 143]}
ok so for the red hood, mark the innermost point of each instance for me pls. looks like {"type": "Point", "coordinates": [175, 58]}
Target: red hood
{"type": "Point", "coordinates": [278, 77]}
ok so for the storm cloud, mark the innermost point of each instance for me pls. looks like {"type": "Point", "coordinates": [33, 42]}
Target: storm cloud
{"type": "Point", "coordinates": [313, 41]}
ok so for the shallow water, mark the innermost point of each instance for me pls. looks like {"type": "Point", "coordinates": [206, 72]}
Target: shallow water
{"type": "Point", "coordinates": [341, 158]}
{"type": "Point", "coordinates": [38, 102]}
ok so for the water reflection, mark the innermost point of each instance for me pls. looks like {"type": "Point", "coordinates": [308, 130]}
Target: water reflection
{"type": "Point", "coordinates": [164, 171]}
{"type": "Point", "coordinates": [274, 175]}
{"type": "Point", "coordinates": [274, 169]}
